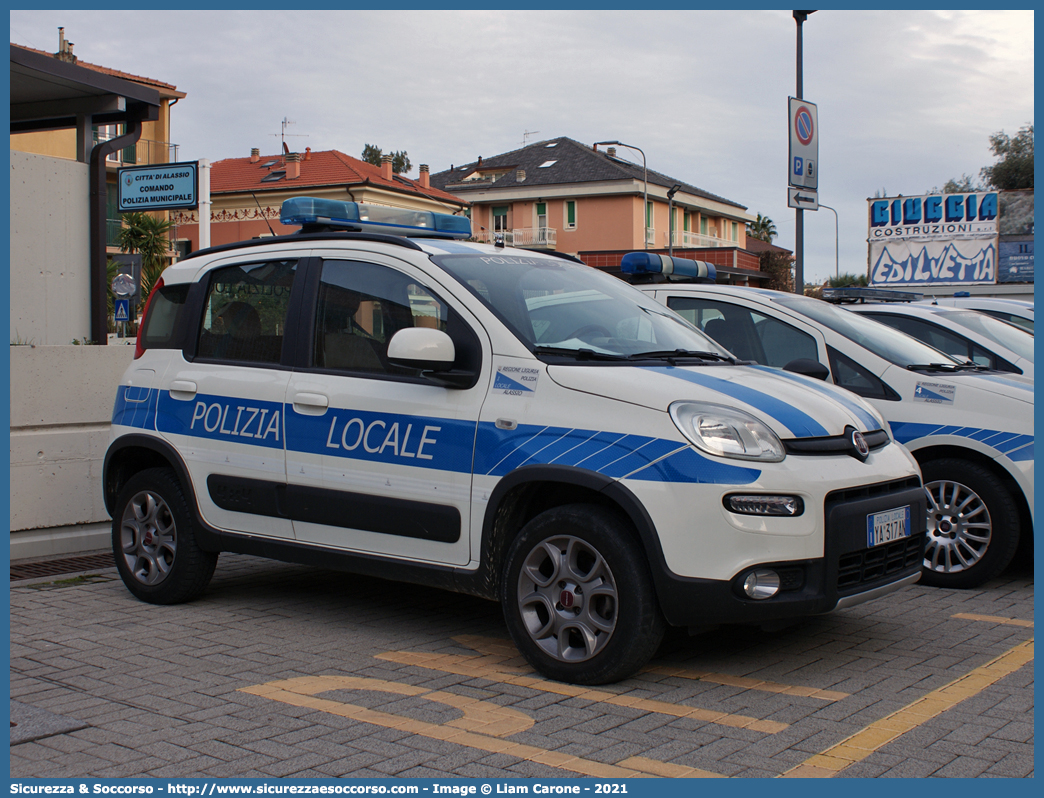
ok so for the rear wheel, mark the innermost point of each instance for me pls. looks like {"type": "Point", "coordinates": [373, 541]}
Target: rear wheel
{"type": "Point", "coordinates": [154, 543]}
{"type": "Point", "coordinates": [973, 524]}
{"type": "Point", "coordinates": [578, 598]}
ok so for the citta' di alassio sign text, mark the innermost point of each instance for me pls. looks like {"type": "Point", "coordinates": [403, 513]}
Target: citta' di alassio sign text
{"type": "Point", "coordinates": [159, 187]}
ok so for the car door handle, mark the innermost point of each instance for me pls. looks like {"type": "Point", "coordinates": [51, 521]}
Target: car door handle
{"type": "Point", "coordinates": [311, 402]}
{"type": "Point", "coordinates": [182, 387]}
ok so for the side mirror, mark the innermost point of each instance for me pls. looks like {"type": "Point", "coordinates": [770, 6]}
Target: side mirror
{"type": "Point", "coordinates": [422, 348]}
{"type": "Point", "coordinates": [432, 353]}
{"type": "Point", "coordinates": [808, 367]}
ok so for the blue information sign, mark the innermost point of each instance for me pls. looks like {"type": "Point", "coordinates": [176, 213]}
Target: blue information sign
{"type": "Point", "coordinates": [122, 310]}
{"type": "Point", "coordinates": [158, 187]}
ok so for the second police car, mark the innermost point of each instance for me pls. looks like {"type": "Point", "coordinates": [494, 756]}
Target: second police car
{"type": "Point", "coordinates": [970, 428]}
{"type": "Point", "coordinates": [380, 395]}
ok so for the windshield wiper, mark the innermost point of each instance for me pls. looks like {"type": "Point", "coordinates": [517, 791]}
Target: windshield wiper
{"type": "Point", "coordinates": [671, 354]}
{"type": "Point", "coordinates": [579, 354]}
{"type": "Point", "coordinates": [947, 367]}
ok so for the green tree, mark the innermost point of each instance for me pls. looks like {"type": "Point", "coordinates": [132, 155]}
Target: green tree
{"type": "Point", "coordinates": [400, 160]}
{"type": "Point", "coordinates": [780, 265]}
{"type": "Point", "coordinates": [848, 280]}
{"type": "Point", "coordinates": [1014, 170]}
{"type": "Point", "coordinates": [148, 236]}
{"type": "Point", "coordinates": [762, 229]}
{"type": "Point", "coordinates": [963, 185]}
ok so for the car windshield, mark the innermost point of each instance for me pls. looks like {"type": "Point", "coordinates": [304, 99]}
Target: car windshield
{"type": "Point", "coordinates": [894, 346]}
{"type": "Point", "coordinates": [555, 304]}
{"type": "Point", "coordinates": [1018, 341]}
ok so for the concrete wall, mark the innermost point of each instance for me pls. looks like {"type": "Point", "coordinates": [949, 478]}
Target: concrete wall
{"type": "Point", "coordinates": [61, 406]}
{"type": "Point", "coordinates": [50, 249]}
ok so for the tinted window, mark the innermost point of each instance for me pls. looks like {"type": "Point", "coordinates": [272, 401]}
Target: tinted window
{"type": "Point", "coordinates": [362, 305]}
{"type": "Point", "coordinates": [859, 380]}
{"type": "Point", "coordinates": [160, 329]}
{"type": "Point", "coordinates": [244, 317]}
{"type": "Point", "coordinates": [942, 339]}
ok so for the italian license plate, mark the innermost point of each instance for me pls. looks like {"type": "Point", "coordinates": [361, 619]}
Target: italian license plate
{"type": "Point", "coordinates": [887, 526]}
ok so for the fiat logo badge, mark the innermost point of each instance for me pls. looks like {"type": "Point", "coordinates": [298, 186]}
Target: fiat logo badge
{"type": "Point", "coordinates": [860, 445]}
{"type": "Point", "coordinates": [566, 599]}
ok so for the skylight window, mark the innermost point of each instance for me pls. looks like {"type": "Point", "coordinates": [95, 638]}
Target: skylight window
{"type": "Point", "coordinates": [546, 164]}
{"type": "Point", "coordinates": [272, 177]}
{"type": "Point", "coordinates": [552, 144]}
{"type": "Point", "coordinates": [269, 164]}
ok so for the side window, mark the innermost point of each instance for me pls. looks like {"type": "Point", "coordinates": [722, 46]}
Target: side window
{"type": "Point", "coordinates": [730, 325]}
{"type": "Point", "coordinates": [244, 317]}
{"type": "Point", "coordinates": [849, 374]}
{"type": "Point", "coordinates": [162, 328]}
{"type": "Point", "coordinates": [783, 342]}
{"type": "Point", "coordinates": [362, 305]}
{"type": "Point", "coordinates": [942, 339]}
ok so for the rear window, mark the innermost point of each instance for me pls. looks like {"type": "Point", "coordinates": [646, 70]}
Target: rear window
{"type": "Point", "coordinates": [160, 329]}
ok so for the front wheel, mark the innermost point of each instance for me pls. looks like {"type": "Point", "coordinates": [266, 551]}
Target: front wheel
{"type": "Point", "coordinates": [578, 598]}
{"type": "Point", "coordinates": [154, 543]}
{"type": "Point", "coordinates": [973, 524]}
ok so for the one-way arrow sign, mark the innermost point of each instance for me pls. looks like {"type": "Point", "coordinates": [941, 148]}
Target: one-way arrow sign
{"type": "Point", "coordinates": [803, 198]}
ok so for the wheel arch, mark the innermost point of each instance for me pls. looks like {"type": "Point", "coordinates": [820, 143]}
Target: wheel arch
{"type": "Point", "coordinates": [130, 454]}
{"type": "Point", "coordinates": [530, 490]}
{"type": "Point", "coordinates": [943, 451]}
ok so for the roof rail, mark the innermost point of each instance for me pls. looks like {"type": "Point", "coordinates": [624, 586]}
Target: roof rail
{"type": "Point", "coordinates": [852, 295]}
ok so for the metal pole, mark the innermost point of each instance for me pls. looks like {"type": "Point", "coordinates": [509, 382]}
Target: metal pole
{"type": "Point", "coordinates": [836, 259]}
{"type": "Point", "coordinates": [799, 221]}
{"type": "Point", "coordinates": [645, 168]}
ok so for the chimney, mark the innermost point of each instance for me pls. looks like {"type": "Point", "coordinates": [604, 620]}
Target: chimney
{"type": "Point", "coordinates": [611, 152]}
{"type": "Point", "coordinates": [424, 180]}
{"type": "Point", "coordinates": [293, 165]}
{"type": "Point", "coordinates": [479, 164]}
{"type": "Point", "coordinates": [255, 155]}
{"type": "Point", "coordinates": [308, 153]}
{"type": "Point", "coordinates": [386, 167]}
{"type": "Point", "coordinates": [65, 49]}
{"type": "Point", "coordinates": [520, 175]}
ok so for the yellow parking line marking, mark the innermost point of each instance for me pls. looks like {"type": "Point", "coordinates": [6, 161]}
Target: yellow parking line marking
{"type": "Point", "coordinates": [668, 769]}
{"type": "Point", "coordinates": [747, 683]}
{"type": "Point", "coordinates": [489, 668]}
{"type": "Point", "coordinates": [969, 616]}
{"type": "Point", "coordinates": [474, 730]}
{"type": "Point", "coordinates": [878, 734]}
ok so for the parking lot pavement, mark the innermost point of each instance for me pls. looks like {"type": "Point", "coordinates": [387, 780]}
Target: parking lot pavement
{"type": "Point", "coordinates": [286, 671]}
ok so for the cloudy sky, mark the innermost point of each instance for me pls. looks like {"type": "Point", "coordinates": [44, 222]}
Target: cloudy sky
{"type": "Point", "coordinates": [907, 99]}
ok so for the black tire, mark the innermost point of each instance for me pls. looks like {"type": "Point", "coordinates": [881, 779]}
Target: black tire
{"type": "Point", "coordinates": [578, 597]}
{"type": "Point", "coordinates": [973, 524]}
{"type": "Point", "coordinates": [154, 542]}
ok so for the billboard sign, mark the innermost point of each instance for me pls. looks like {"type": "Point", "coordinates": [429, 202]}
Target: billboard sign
{"type": "Point", "coordinates": [159, 187]}
{"type": "Point", "coordinates": [934, 239]}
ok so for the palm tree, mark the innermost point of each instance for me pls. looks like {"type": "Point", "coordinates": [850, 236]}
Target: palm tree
{"type": "Point", "coordinates": [762, 229]}
{"type": "Point", "coordinates": [150, 237]}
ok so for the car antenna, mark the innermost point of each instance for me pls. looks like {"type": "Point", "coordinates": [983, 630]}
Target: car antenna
{"type": "Point", "coordinates": [263, 214]}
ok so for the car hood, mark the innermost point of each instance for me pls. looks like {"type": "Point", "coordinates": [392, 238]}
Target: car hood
{"type": "Point", "coordinates": [791, 405]}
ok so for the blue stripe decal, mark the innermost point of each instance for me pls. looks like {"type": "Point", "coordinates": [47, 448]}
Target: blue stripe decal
{"type": "Point", "coordinates": [422, 442]}
{"type": "Point", "coordinates": [867, 419]}
{"type": "Point", "coordinates": [135, 407]}
{"type": "Point", "coordinates": [1016, 446]}
{"type": "Point", "coordinates": [800, 424]}
{"type": "Point", "coordinates": [1023, 454]}
{"type": "Point", "coordinates": [247, 421]}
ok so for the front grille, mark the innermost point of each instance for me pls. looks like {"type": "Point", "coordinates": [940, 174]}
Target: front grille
{"type": "Point", "coordinates": [868, 566]}
{"type": "Point", "coordinates": [870, 491]}
{"type": "Point", "coordinates": [835, 444]}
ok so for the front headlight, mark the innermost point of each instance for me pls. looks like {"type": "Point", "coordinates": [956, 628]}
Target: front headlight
{"type": "Point", "coordinates": [726, 432]}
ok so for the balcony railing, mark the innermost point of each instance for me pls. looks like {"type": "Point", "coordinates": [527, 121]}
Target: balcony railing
{"type": "Point", "coordinates": [686, 239]}
{"type": "Point", "coordinates": [520, 237]}
{"type": "Point", "coordinates": [650, 236]}
{"type": "Point", "coordinates": [143, 151]}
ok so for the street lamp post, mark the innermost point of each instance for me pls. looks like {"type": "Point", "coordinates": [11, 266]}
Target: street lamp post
{"type": "Point", "coordinates": [645, 168]}
{"type": "Point", "coordinates": [670, 218]}
{"type": "Point", "coordinates": [836, 260]}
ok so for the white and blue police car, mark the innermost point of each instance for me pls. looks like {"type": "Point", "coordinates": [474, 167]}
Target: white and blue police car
{"type": "Point", "coordinates": [970, 427]}
{"type": "Point", "coordinates": [377, 394]}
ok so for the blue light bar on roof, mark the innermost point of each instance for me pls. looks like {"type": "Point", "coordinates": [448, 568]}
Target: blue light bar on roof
{"type": "Point", "coordinates": [306, 211]}
{"type": "Point", "coordinates": [668, 266]}
{"type": "Point", "coordinates": [858, 294]}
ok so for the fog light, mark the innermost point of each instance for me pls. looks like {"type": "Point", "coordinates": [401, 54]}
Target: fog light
{"type": "Point", "coordinates": [761, 584]}
{"type": "Point", "coordinates": [759, 504]}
